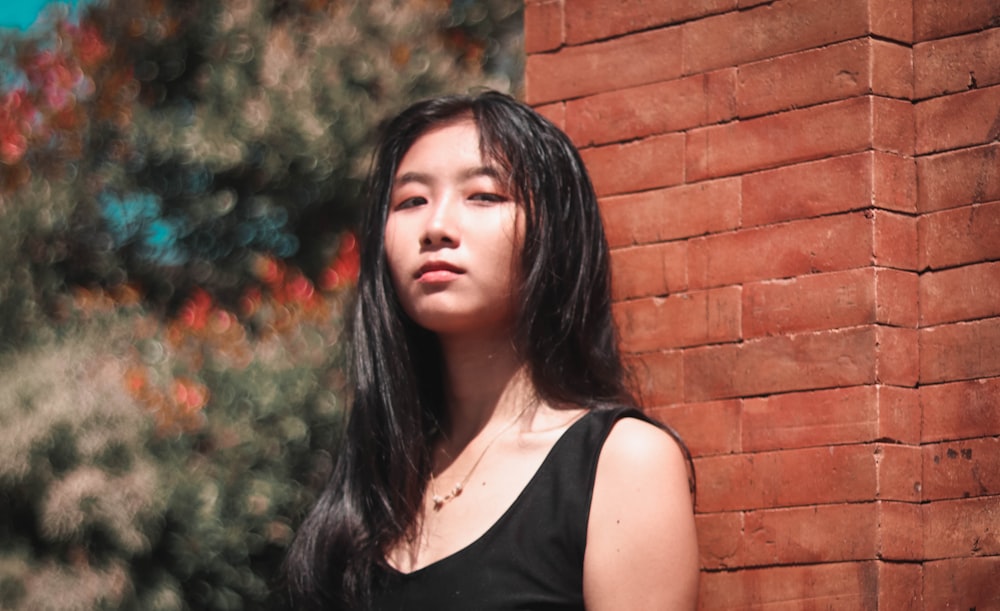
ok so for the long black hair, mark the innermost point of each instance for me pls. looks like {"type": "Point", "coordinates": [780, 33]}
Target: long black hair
{"type": "Point", "coordinates": [564, 332]}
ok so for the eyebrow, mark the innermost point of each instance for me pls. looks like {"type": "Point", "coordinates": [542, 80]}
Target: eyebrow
{"type": "Point", "coordinates": [426, 179]}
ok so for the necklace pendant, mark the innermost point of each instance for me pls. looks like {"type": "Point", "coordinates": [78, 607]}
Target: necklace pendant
{"type": "Point", "coordinates": [438, 501]}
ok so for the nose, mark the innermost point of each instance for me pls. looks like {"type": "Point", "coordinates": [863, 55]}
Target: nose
{"type": "Point", "coordinates": [442, 226]}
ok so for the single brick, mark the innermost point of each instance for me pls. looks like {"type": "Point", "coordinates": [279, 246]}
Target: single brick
{"type": "Point", "coordinates": [650, 270]}
{"type": "Point", "coordinates": [897, 360]}
{"type": "Point", "coordinates": [594, 19]}
{"type": "Point", "coordinates": [720, 91]}
{"type": "Point", "coordinates": [894, 182]}
{"type": "Point", "coordinates": [960, 410]}
{"type": "Point", "coordinates": [892, 19]}
{"type": "Point", "coordinates": [963, 527]}
{"type": "Point", "coordinates": [807, 190]}
{"type": "Point", "coordinates": [962, 583]}
{"type": "Point", "coordinates": [571, 72]}
{"type": "Point", "coordinates": [896, 297]}
{"type": "Point", "coordinates": [956, 64]}
{"type": "Point", "coordinates": [961, 293]}
{"type": "Point", "coordinates": [806, 78]}
{"type": "Point", "coordinates": [637, 112]}
{"type": "Point", "coordinates": [543, 25]}
{"type": "Point", "coordinates": [827, 186]}
{"type": "Point", "coordinates": [959, 236]}
{"type": "Point", "coordinates": [845, 70]}
{"type": "Point", "coordinates": [826, 244]}
{"type": "Point", "coordinates": [770, 31]}
{"type": "Point", "coordinates": [959, 178]}
{"type": "Point", "coordinates": [791, 536]}
{"type": "Point", "coordinates": [937, 19]}
{"type": "Point", "coordinates": [959, 469]}
{"type": "Point", "coordinates": [900, 585]}
{"type": "Point", "coordinates": [899, 535]}
{"type": "Point", "coordinates": [899, 473]}
{"type": "Point", "coordinates": [892, 69]}
{"type": "Point", "coordinates": [960, 351]}
{"type": "Point", "coordinates": [686, 319]}
{"type": "Point", "coordinates": [856, 414]}
{"type": "Point", "coordinates": [772, 537]}
{"type": "Point", "coordinates": [841, 586]}
{"type": "Point", "coordinates": [672, 213]}
{"type": "Point", "coordinates": [958, 120]}
{"type": "Point", "coordinates": [836, 128]}
{"type": "Point", "coordinates": [893, 126]}
{"type": "Point", "coordinates": [895, 240]}
{"type": "Point", "coordinates": [856, 531]}
{"type": "Point", "coordinates": [655, 162]}
{"type": "Point", "coordinates": [806, 361]}
{"type": "Point", "coordinates": [899, 414]}
{"type": "Point", "coordinates": [707, 428]}
{"type": "Point", "coordinates": [809, 303]}
{"type": "Point", "coordinates": [788, 478]}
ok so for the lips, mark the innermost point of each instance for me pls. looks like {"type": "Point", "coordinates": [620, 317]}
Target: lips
{"type": "Point", "coordinates": [437, 271]}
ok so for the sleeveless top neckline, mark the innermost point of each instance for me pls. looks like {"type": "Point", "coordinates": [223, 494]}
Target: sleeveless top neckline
{"type": "Point", "coordinates": [499, 523]}
{"type": "Point", "coordinates": [531, 557]}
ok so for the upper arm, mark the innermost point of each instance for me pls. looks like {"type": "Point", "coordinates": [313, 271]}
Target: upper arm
{"type": "Point", "coordinates": [642, 551]}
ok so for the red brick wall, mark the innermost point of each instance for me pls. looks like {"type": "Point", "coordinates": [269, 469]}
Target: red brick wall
{"type": "Point", "coordinates": [803, 198]}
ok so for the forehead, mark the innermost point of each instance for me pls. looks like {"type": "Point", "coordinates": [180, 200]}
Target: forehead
{"type": "Point", "coordinates": [450, 143]}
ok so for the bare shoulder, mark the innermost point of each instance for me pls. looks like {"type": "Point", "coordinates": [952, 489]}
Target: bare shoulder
{"type": "Point", "coordinates": [637, 444]}
{"type": "Point", "coordinates": [642, 550]}
{"type": "Point", "coordinates": [643, 463]}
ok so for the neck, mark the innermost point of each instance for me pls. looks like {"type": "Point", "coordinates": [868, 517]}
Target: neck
{"type": "Point", "coordinates": [486, 383]}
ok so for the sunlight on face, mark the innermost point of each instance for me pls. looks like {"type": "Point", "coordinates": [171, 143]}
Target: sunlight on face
{"type": "Point", "coordinates": [453, 235]}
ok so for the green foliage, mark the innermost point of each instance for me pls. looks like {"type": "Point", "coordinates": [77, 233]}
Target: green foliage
{"type": "Point", "coordinates": [82, 494]}
{"type": "Point", "coordinates": [103, 509]}
{"type": "Point", "coordinates": [177, 184]}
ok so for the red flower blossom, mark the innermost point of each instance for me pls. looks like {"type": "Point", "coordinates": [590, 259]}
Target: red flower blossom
{"type": "Point", "coordinates": [90, 46]}
{"type": "Point", "coordinates": [343, 271]}
{"type": "Point", "coordinates": [17, 114]}
{"type": "Point", "coordinates": [298, 289]}
{"type": "Point", "coordinates": [194, 313]}
{"type": "Point", "coordinates": [250, 302]}
{"type": "Point", "coordinates": [189, 396]}
{"type": "Point", "coordinates": [269, 270]}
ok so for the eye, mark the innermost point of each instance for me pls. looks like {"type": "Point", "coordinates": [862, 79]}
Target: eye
{"type": "Point", "coordinates": [490, 198]}
{"type": "Point", "coordinates": [410, 202]}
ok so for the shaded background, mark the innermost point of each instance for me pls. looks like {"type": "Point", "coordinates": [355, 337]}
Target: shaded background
{"type": "Point", "coordinates": [178, 186]}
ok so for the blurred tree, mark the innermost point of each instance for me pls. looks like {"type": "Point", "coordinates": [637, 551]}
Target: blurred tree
{"type": "Point", "coordinates": [177, 184]}
{"type": "Point", "coordinates": [150, 466]}
{"type": "Point", "coordinates": [491, 33]}
{"type": "Point", "coordinates": [201, 133]}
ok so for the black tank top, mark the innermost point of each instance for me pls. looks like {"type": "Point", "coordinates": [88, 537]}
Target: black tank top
{"type": "Point", "coordinates": [532, 557]}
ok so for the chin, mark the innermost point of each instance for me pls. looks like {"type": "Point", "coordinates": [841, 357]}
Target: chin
{"type": "Point", "coordinates": [454, 323]}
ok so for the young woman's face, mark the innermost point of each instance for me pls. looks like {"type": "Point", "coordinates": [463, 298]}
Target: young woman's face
{"type": "Point", "coordinates": [453, 235]}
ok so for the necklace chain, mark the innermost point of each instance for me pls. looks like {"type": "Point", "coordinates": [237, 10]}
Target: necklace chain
{"type": "Point", "coordinates": [456, 490]}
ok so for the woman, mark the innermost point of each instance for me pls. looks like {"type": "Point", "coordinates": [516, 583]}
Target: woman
{"type": "Point", "coordinates": [490, 461]}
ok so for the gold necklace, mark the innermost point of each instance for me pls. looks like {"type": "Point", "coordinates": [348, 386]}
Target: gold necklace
{"type": "Point", "coordinates": [456, 490]}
